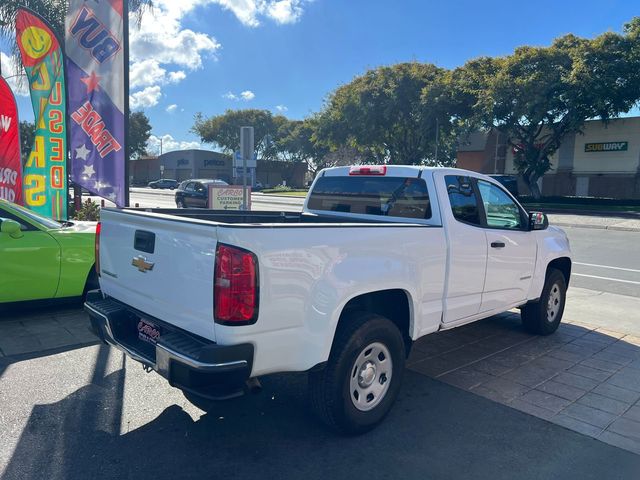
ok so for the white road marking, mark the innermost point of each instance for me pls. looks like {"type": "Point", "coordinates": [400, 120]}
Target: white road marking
{"type": "Point", "coordinates": [607, 266]}
{"type": "Point", "coordinates": [605, 278]}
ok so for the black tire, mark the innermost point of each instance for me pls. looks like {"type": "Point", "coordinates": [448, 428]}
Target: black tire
{"type": "Point", "coordinates": [330, 388]}
{"type": "Point", "coordinates": [92, 282]}
{"type": "Point", "coordinates": [180, 204]}
{"type": "Point", "coordinates": [543, 317]}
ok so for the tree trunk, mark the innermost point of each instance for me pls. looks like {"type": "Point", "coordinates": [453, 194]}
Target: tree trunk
{"type": "Point", "coordinates": [531, 179]}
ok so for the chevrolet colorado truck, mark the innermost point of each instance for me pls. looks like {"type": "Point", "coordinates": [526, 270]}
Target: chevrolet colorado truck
{"type": "Point", "coordinates": [379, 257]}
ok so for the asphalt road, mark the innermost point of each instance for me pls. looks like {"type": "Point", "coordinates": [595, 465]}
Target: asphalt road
{"type": "Point", "coordinates": [91, 414]}
{"type": "Point", "coordinates": [604, 260]}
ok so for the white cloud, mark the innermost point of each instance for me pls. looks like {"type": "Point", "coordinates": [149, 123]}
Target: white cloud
{"type": "Point", "coordinates": [160, 36]}
{"type": "Point", "coordinates": [249, 12]}
{"type": "Point", "coordinates": [169, 144]}
{"type": "Point", "coordinates": [248, 95]}
{"type": "Point", "coordinates": [285, 11]}
{"type": "Point", "coordinates": [149, 72]}
{"type": "Point", "coordinates": [19, 85]}
{"type": "Point", "coordinates": [172, 108]}
{"type": "Point", "coordinates": [149, 97]}
{"type": "Point", "coordinates": [177, 76]}
{"type": "Point", "coordinates": [281, 108]}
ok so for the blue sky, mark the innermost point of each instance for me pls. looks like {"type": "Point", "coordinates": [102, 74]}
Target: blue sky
{"type": "Point", "coordinates": [287, 55]}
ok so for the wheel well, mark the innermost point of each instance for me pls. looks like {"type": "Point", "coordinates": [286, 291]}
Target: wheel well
{"type": "Point", "coordinates": [391, 304]}
{"type": "Point", "coordinates": [564, 265]}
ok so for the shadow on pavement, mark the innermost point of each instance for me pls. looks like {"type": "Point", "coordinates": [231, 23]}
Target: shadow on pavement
{"type": "Point", "coordinates": [434, 431]}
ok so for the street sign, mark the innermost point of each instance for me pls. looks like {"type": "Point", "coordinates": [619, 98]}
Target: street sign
{"type": "Point", "coordinates": [251, 162]}
{"type": "Point", "coordinates": [246, 143]}
{"type": "Point", "coordinates": [227, 197]}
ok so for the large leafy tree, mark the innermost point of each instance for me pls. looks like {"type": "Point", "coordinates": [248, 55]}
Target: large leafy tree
{"type": "Point", "coordinates": [224, 130]}
{"type": "Point", "coordinates": [538, 95]}
{"type": "Point", "coordinates": [390, 114]}
{"type": "Point", "coordinates": [139, 133]}
{"type": "Point", "coordinates": [298, 142]}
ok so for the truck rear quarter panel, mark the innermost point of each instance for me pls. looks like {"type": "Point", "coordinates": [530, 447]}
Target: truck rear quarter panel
{"type": "Point", "coordinates": [309, 273]}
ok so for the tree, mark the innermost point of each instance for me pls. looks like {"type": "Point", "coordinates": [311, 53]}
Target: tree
{"type": "Point", "coordinates": [538, 95]}
{"type": "Point", "coordinates": [54, 11]}
{"type": "Point", "coordinates": [139, 133]}
{"type": "Point", "coordinates": [298, 143]}
{"type": "Point", "coordinates": [224, 130]}
{"type": "Point", "coordinates": [389, 114]}
{"type": "Point", "coordinates": [27, 136]}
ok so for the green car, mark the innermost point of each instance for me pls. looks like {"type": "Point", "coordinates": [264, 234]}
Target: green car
{"type": "Point", "coordinates": [43, 259]}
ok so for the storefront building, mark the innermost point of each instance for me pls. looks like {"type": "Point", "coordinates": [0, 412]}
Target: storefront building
{"type": "Point", "coordinates": [186, 164]}
{"type": "Point", "coordinates": [603, 161]}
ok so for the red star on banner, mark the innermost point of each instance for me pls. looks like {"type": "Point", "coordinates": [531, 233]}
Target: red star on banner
{"type": "Point", "coordinates": [91, 82]}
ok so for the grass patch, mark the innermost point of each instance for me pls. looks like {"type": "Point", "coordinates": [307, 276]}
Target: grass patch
{"type": "Point", "coordinates": [286, 193]}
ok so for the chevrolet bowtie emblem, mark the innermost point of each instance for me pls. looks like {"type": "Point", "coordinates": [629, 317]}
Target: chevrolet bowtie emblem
{"type": "Point", "coordinates": [141, 263]}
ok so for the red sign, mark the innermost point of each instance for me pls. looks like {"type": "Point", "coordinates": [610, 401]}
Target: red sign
{"type": "Point", "coordinates": [10, 164]}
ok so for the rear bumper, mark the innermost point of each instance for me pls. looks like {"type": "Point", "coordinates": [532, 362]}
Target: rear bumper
{"type": "Point", "coordinates": [188, 362]}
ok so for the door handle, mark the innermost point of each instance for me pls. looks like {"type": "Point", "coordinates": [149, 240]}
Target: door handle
{"type": "Point", "coordinates": [497, 245]}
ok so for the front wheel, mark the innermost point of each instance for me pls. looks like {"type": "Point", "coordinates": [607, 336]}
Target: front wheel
{"type": "Point", "coordinates": [180, 204]}
{"type": "Point", "coordinates": [543, 317]}
{"type": "Point", "coordinates": [359, 384]}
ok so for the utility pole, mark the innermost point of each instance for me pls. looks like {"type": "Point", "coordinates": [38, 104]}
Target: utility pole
{"type": "Point", "coordinates": [246, 152]}
{"type": "Point", "coordinates": [437, 131]}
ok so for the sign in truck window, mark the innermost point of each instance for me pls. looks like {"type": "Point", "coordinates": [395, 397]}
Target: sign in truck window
{"type": "Point", "coordinates": [370, 195]}
{"type": "Point", "coordinates": [606, 147]}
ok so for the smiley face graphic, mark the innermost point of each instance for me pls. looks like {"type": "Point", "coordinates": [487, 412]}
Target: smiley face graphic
{"type": "Point", "coordinates": [36, 42]}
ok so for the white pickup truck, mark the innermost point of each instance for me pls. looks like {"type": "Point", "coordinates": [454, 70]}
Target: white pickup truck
{"type": "Point", "coordinates": [379, 257]}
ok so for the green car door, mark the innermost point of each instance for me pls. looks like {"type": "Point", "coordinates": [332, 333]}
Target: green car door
{"type": "Point", "coordinates": [30, 262]}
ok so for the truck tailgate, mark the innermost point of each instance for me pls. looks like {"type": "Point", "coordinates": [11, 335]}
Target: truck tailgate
{"type": "Point", "coordinates": [172, 278]}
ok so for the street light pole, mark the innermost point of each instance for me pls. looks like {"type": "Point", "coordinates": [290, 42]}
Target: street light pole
{"type": "Point", "coordinates": [437, 130]}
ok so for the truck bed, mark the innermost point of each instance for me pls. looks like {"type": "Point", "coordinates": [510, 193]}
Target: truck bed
{"type": "Point", "coordinates": [250, 218]}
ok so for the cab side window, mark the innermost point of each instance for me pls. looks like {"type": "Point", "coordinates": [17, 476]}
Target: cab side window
{"type": "Point", "coordinates": [500, 209]}
{"type": "Point", "coordinates": [463, 199]}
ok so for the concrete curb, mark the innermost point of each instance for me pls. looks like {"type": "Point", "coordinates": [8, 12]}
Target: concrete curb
{"type": "Point", "coordinates": [597, 227]}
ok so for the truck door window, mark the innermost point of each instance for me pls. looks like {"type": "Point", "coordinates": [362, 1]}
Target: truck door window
{"type": "Point", "coordinates": [463, 200]}
{"type": "Point", "coordinates": [370, 195]}
{"type": "Point", "coordinates": [501, 211]}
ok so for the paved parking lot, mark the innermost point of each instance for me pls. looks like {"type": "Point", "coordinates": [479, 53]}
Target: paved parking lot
{"type": "Point", "coordinates": [585, 377]}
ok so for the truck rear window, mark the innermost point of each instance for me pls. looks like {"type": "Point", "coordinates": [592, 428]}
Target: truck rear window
{"type": "Point", "coordinates": [369, 195]}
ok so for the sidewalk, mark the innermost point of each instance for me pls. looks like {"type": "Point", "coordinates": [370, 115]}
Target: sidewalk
{"type": "Point", "coordinates": [592, 221]}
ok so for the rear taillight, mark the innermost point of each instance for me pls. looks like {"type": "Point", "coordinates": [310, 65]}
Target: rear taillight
{"type": "Point", "coordinates": [368, 170]}
{"type": "Point", "coordinates": [235, 290]}
{"type": "Point", "coordinates": [98, 228]}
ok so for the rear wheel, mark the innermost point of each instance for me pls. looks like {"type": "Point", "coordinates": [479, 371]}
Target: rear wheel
{"type": "Point", "coordinates": [543, 317]}
{"type": "Point", "coordinates": [362, 378]}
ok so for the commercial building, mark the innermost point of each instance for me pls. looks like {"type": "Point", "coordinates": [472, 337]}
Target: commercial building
{"type": "Point", "coordinates": [602, 161]}
{"type": "Point", "coordinates": [186, 164]}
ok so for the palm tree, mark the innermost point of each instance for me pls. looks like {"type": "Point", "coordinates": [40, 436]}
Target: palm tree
{"type": "Point", "coordinates": [54, 11]}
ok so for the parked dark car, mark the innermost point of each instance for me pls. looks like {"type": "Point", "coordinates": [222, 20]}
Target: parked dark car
{"type": "Point", "coordinates": [164, 183]}
{"type": "Point", "coordinates": [510, 182]}
{"type": "Point", "coordinates": [195, 193]}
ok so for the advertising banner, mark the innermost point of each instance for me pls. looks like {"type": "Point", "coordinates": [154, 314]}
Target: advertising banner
{"type": "Point", "coordinates": [95, 63]}
{"type": "Point", "coordinates": [45, 173]}
{"type": "Point", "coordinates": [10, 164]}
{"type": "Point", "coordinates": [227, 197]}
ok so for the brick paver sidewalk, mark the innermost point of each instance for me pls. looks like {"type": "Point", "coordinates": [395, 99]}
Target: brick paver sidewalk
{"type": "Point", "coordinates": [583, 378]}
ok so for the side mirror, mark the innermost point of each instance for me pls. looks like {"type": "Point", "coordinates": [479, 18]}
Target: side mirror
{"type": "Point", "coordinates": [11, 228]}
{"type": "Point", "coordinates": [538, 221]}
